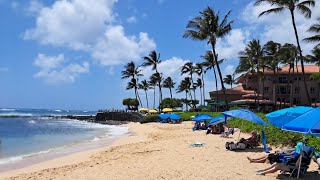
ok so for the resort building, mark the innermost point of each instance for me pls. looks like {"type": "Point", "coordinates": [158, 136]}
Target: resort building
{"type": "Point", "coordinates": [284, 87]}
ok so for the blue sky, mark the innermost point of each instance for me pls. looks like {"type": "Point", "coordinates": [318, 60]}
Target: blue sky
{"type": "Point", "coordinates": [68, 54]}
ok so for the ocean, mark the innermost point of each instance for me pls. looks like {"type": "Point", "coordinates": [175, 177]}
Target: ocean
{"type": "Point", "coordinates": [34, 135]}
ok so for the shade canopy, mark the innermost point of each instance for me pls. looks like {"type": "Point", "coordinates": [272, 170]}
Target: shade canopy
{"type": "Point", "coordinates": [202, 117]}
{"type": "Point", "coordinates": [171, 116]}
{"type": "Point", "coordinates": [144, 109]}
{"type": "Point", "coordinates": [284, 116]}
{"type": "Point", "coordinates": [245, 114]}
{"type": "Point", "coordinates": [307, 123]}
{"type": "Point", "coordinates": [216, 120]}
{"type": "Point", "coordinates": [167, 110]}
{"type": "Point", "coordinates": [153, 111]}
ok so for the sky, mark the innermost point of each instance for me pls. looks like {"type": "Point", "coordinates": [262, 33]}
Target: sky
{"type": "Point", "coordinates": [69, 54]}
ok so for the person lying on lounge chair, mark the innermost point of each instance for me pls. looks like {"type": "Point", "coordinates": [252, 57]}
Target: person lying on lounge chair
{"type": "Point", "coordinates": [227, 131]}
{"type": "Point", "coordinates": [215, 129]}
{"type": "Point", "coordinates": [283, 166]}
{"type": "Point", "coordinates": [278, 156]}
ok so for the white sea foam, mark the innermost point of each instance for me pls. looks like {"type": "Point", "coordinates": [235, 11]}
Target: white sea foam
{"type": "Point", "coordinates": [7, 109]}
{"type": "Point", "coordinates": [16, 114]}
{"type": "Point", "coordinates": [32, 121]}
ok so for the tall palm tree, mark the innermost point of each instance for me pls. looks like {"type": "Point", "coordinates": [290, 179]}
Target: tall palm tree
{"type": "Point", "coordinates": [157, 77]}
{"type": "Point", "coordinates": [229, 80]}
{"type": "Point", "coordinates": [272, 51]}
{"type": "Point", "coordinates": [315, 28]}
{"type": "Point", "coordinates": [185, 86]}
{"type": "Point", "coordinates": [133, 84]}
{"type": "Point", "coordinates": [153, 60]}
{"type": "Point", "coordinates": [250, 60]}
{"type": "Point", "coordinates": [209, 27]}
{"type": "Point", "coordinates": [132, 71]}
{"type": "Point", "coordinates": [153, 84]}
{"type": "Point", "coordinates": [188, 68]}
{"type": "Point", "coordinates": [145, 86]}
{"type": "Point", "coordinates": [314, 57]}
{"type": "Point", "coordinates": [210, 63]}
{"type": "Point", "coordinates": [199, 84]}
{"type": "Point", "coordinates": [292, 5]}
{"type": "Point", "coordinates": [168, 83]}
{"type": "Point", "coordinates": [199, 69]}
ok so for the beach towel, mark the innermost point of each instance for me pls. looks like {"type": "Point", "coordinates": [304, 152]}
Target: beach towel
{"type": "Point", "coordinates": [197, 144]}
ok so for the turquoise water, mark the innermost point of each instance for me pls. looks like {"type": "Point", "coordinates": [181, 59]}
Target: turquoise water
{"type": "Point", "coordinates": [28, 136]}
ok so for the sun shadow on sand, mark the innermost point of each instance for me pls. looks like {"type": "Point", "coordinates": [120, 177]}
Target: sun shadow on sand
{"type": "Point", "coordinates": [311, 175]}
{"type": "Point", "coordinates": [258, 149]}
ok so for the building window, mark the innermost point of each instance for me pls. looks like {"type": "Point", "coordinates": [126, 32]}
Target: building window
{"type": "Point", "coordinates": [266, 90]}
{"type": "Point", "coordinates": [297, 78]}
{"type": "Point", "coordinates": [283, 79]}
{"type": "Point", "coordinates": [312, 90]}
{"type": "Point", "coordinates": [312, 78]}
{"type": "Point", "coordinates": [313, 100]}
{"type": "Point", "coordinates": [296, 90]}
{"type": "Point", "coordinates": [250, 88]}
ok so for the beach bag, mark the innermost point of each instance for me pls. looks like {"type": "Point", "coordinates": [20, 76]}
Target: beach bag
{"type": "Point", "coordinates": [227, 145]}
{"type": "Point", "coordinates": [233, 146]}
{"type": "Point", "coordinates": [241, 146]}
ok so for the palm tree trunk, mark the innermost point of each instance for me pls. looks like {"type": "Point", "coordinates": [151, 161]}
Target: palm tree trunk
{"type": "Point", "coordinates": [170, 92]}
{"type": "Point", "coordinates": [147, 99]}
{"type": "Point", "coordinates": [139, 97]}
{"type": "Point", "coordinates": [215, 78]}
{"type": "Point", "coordinates": [204, 97]}
{"type": "Point", "coordinates": [263, 77]}
{"type": "Point", "coordinates": [160, 91]}
{"type": "Point", "coordinates": [200, 94]}
{"type": "Point", "coordinates": [301, 57]}
{"type": "Point", "coordinates": [220, 75]}
{"type": "Point", "coordinates": [194, 90]}
{"type": "Point", "coordinates": [186, 101]}
{"type": "Point", "coordinates": [154, 97]}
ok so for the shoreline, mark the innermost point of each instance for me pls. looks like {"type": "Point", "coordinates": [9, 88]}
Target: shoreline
{"type": "Point", "coordinates": [156, 151]}
{"type": "Point", "coordinates": [72, 158]}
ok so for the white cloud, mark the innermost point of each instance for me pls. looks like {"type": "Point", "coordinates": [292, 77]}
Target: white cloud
{"type": "Point", "coordinates": [53, 69]}
{"type": "Point", "coordinates": [278, 27]}
{"type": "Point", "coordinates": [74, 23]}
{"type": "Point", "coordinates": [34, 7]}
{"type": "Point", "coordinates": [89, 28]}
{"type": "Point", "coordinates": [132, 19]}
{"type": "Point", "coordinates": [229, 69]}
{"type": "Point", "coordinates": [230, 46]}
{"type": "Point", "coordinates": [116, 48]}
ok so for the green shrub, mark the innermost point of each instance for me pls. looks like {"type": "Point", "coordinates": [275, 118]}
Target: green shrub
{"type": "Point", "coordinates": [150, 118]}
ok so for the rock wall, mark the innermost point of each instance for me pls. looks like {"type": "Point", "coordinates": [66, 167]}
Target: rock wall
{"type": "Point", "coordinates": [116, 117]}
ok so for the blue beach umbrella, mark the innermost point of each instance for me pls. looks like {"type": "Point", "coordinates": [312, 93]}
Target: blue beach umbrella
{"type": "Point", "coordinates": [216, 120]}
{"type": "Point", "coordinates": [284, 116]}
{"type": "Point", "coordinates": [172, 116]}
{"type": "Point", "coordinates": [245, 114]}
{"type": "Point", "coordinates": [307, 123]}
{"type": "Point", "coordinates": [202, 117]}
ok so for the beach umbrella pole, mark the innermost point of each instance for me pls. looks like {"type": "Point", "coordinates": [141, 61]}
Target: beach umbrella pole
{"type": "Point", "coordinates": [240, 130]}
{"type": "Point", "coordinates": [300, 159]}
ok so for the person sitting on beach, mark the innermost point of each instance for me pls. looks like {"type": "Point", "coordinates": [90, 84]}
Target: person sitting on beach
{"type": "Point", "coordinates": [252, 139]}
{"type": "Point", "coordinates": [203, 125]}
{"type": "Point", "coordinates": [168, 120]}
{"type": "Point", "coordinates": [215, 129]}
{"type": "Point", "coordinates": [278, 155]}
{"type": "Point", "coordinates": [196, 126]}
{"type": "Point", "coordinates": [316, 158]}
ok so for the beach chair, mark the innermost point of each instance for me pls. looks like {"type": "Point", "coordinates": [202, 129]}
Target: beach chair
{"type": "Point", "coordinates": [253, 144]}
{"type": "Point", "coordinates": [305, 162]}
{"type": "Point", "coordinates": [226, 134]}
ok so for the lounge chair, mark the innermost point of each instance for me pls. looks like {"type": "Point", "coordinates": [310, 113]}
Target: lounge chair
{"type": "Point", "coordinates": [305, 162]}
{"type": "Point", "coordinates": [254, 143]}
{"type": "Point", "coordinates": [226, 134]}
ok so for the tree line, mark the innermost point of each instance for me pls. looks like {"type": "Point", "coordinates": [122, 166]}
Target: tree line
{"type": "Point", "coordinates": [208, 27]}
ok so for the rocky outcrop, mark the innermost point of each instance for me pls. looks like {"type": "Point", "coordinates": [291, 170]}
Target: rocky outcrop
{"type": "Point", "coordinates": [118, 117]}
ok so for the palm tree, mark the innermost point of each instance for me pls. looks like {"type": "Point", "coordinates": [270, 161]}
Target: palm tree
{"type": "Point", "coordinates": [153, 83]}
{"type": "Point", "coordinates": [133, 84]}
{"type": "Point", "coordinates": [157, 77]}
{"type": "Point", "coordinates": [209, 26]}
{"type": "Point", "coordinates": [210, 63]}
{"type": "Point", "coordinates": [229, 80]}
{"type": "Point", "coordinates": [250, 60]}
{"type": "Point", "coordinates": [315, 57]}
{"type": "Point", "coordinates": [188, 68]}
{"type": "Point", "coordinates": [168, 83]}
{"type": "Point", "coordinates": [133, 72]}
{"type": "Point", "coordinates": [199, 84]}
{"type": "Point", "coordinates": [145, 86]}
{"type": "Point", "coordinates": [199, 69]}
{"type": "Point", "coordinates": [153, 60]}
{"type": "Point", "coordinates": [185, 85]}
{"type": "Point", "coordinates": [292, 5]}
{"type": "Point", "coordinates": [315, 28]}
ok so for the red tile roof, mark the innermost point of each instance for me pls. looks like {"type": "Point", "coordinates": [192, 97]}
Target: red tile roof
{"type": "Point", "coordinates": [307, 69]}
{"type": "Point", "coordinates": [235, 90]}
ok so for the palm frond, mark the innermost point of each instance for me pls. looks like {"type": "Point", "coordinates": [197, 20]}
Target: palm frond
{"type": "Point", "coordinates": [273, 10]}
{"type": "Point", "coordinates": [310, 3]}
{"type": "Point", "coordinates": [315, 38]}
{"type": "Point", "coordinates": [304, 10]}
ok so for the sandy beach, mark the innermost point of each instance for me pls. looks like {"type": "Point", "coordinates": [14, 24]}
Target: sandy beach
{"type": "Point", "coordinates": [156, 151]}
